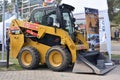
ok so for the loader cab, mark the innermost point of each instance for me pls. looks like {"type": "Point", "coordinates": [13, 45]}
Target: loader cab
{"type": "Point", "coordinates": [55, 16]}
{"type": "Point", "coordinates": [67, 19]}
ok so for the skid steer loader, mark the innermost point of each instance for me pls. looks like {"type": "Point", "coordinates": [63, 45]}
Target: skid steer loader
{"type": "Point", "coordinates": [48, 37]}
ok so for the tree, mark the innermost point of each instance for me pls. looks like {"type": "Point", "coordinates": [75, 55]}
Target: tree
{"type": "Point", "coordinates": [114, 10]}
{"type": "Point", "coordinates": [58, 1]}
{"type": "Point", "coordinates": [116, 18]}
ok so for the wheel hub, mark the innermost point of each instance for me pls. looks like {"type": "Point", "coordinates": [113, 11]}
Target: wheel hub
{"type": "Point", "coordinates": [55, 58]}
{"type": "Point", "coordinates": [26, 58]}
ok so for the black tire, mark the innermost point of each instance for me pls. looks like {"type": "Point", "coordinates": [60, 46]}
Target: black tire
{"type": "Point", "coordinates": [33, 53]}
{"type": "Point", "coordinates": [66, 58]}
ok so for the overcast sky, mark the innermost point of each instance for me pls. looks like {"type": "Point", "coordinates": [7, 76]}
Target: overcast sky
{"type": "Point", "coordinates": [8, 0]}
{"type": "Point", "coordinates": [81, 4]}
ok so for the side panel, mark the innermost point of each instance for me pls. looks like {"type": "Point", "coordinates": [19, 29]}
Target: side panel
{"type": "Point", "coordinates": [40, 47]}
{"type": "Point", "coordinates": [16, 43]}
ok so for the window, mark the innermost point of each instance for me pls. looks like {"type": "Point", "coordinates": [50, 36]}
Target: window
{"type": "Point", "coordinates": [52, 14]}
{"type": "Point", "coordinates": [38, 16]}
{"type": "Point", "coordinates": [67, 22]}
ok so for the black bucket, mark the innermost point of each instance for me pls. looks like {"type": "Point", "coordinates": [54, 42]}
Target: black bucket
{"type": "Point", "coordinates": [92, 62]}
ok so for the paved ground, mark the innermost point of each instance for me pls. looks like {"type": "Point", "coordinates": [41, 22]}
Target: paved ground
{"type": "Point", "coordinates": [115, 47]}
{"type": "Point", "coordinates": [46, 74]}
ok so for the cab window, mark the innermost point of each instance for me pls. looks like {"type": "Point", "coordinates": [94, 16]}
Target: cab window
{"type": "Point", "coordinates": [67, 22]}
{"type": "Point", "coordinates": [51, 14]}
{"type": "Point", "coordinates": [38, 17]}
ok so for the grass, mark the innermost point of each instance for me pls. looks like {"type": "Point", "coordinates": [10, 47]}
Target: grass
{"type": "Point", "coordinates": [14, 65]}
{"type": "Point", "coordinates": [115, 56]}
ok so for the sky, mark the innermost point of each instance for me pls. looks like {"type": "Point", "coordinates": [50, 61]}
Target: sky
{"type": "Point", "coordinates": [8, 0]}
{"type": "Point", "coordinates": [81, 4]}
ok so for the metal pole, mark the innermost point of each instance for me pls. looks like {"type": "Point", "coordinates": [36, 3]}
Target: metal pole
{"type": "Point", "coordinates": [3, 37]}
{"type": "Point", "coordinates": [16, 7]}
{"type": "Point", "coordinates": [22, 8]}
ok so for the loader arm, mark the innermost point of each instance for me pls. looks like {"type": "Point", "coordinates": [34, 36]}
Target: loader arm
{"type": "Point", "coordinates": [84, 43]}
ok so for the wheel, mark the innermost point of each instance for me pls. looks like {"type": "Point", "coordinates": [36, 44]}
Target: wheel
{"type": "Point", "coordinates": [29, 58]}
{"type": "Point", "coordinates": [58, 58]}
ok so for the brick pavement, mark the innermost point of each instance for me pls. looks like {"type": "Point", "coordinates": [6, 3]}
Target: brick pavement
{"type": "Point", "coordinates": [46, 74]}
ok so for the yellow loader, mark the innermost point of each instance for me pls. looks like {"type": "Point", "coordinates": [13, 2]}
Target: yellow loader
{"type": "Point", "coordinates": [49, 37]}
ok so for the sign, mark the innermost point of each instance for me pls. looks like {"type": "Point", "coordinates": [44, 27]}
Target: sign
{"type": "Point", "coordinates": [92, 28]}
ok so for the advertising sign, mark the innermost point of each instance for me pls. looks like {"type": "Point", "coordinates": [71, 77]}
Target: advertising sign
{"type": "Point", "coordinates": [92, 28]}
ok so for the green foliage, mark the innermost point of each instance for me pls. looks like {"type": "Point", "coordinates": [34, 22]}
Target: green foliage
{"type": "Point", "coordinates": [114, 10]}
{"type": "Point", "coordinates": [58, 1]}
{"type": "Point", "coordinates": [116, 18]}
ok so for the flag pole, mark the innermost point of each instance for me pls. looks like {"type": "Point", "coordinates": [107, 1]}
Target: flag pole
{"type": "Point", "coordinates": [3, 37]}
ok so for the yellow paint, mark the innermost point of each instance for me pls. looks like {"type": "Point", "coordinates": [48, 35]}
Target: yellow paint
{"type": "Point", "coordinates": [16, 43]}
{"type": "Point", "coordinates": [82, 39]}
{"type": "Point", "coordinates": [55, 58]}
{"type": "Point", "coordinates": [26, 58]}
{"type": "Point", "coordinates": [40, 32]}
{"type": "Point", "coordinates": [42, 49]}
{"type": "Point", "coordinates": [67, 41]}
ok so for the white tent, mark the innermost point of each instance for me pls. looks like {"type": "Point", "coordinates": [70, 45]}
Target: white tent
{"type": "Point", "coordinates": [101, 5]}
{"type": "Point", "coordinates": [7, 24]}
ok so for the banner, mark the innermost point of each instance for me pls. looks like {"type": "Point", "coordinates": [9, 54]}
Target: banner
{"type": "Point", "coordinates": [92, 28]}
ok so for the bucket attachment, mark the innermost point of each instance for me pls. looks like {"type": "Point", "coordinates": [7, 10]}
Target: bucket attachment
{"type": "Point", "coordinates": [92, 62]}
